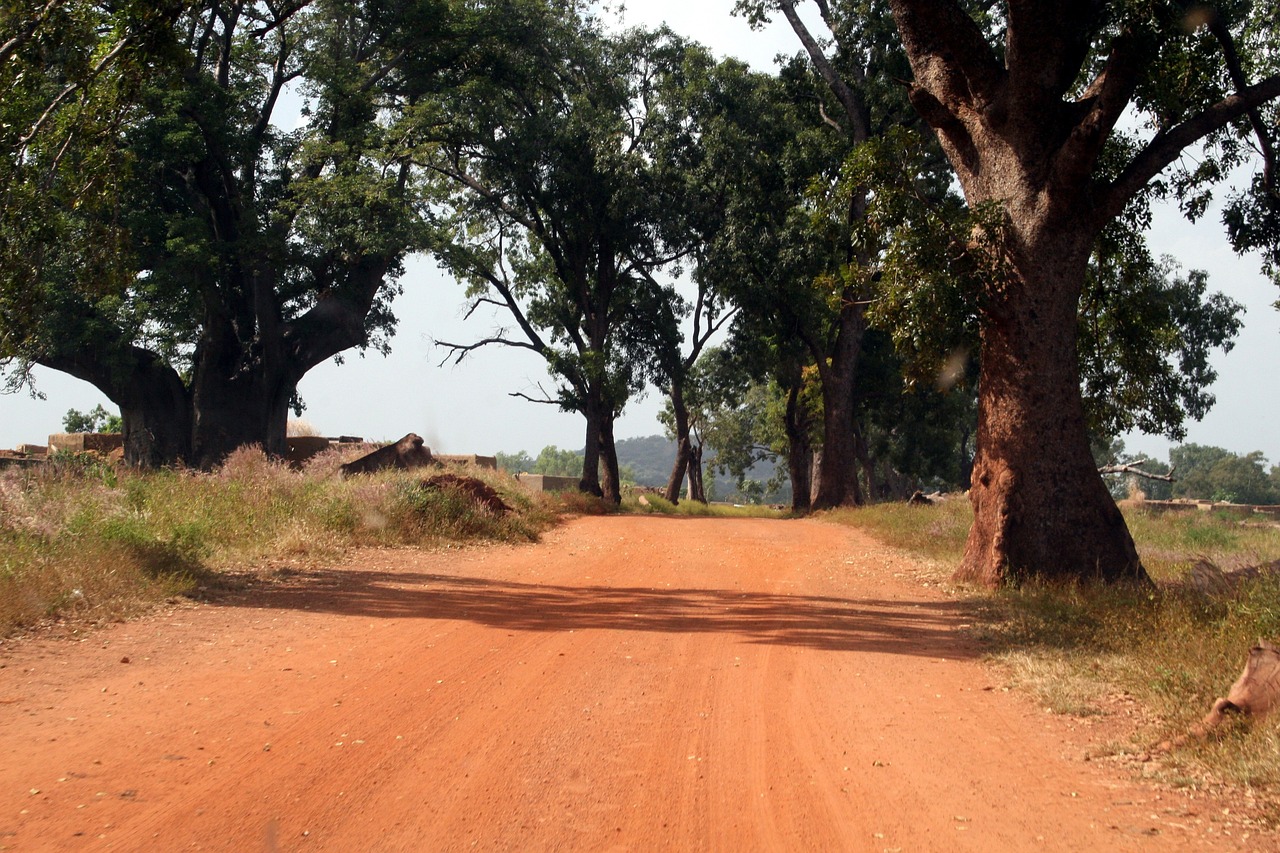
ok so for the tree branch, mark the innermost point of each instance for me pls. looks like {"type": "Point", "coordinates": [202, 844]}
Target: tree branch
{"type": "Point", "coordinates": [1135, 468]}
{"type": "Point", "coordinates": [1164, 148]}
{"type": "Point", "coordinates": [24, 35]}
{"type": "Point", "coordinates": [546, 398]}
{"type": "Point", "coordinates": [948, 52]}
{"type": "Point", "coordinates": [850, 99]}
{"type": "Point", "coordinates": [1219, 30]}
{"type": "Point", "coordinates": [458, 352]}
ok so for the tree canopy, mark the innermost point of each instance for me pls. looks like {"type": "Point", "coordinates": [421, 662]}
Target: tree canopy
{"type": "Point", "coordinates": [252, 243]}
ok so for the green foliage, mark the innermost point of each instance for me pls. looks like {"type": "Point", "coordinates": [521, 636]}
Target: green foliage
{"type": "Point", "coordinates": [515, 463]}
{"type": "Point", "coordinates": [558, 463]}
{"type": "Point", "coordinates": [1212, 473]}
{"type": "Point", "coordinates": [1146, 337]}
{"type": "Point", "coordinates": [97, 420]}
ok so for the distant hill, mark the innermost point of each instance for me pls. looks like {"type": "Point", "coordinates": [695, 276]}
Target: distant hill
{"type": "Point", "coordinates": [650, 460]}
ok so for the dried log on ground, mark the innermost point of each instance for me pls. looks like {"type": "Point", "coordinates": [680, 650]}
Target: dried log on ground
{"type": "Point", "coordinates": [1254, 695]}
{"type": "Point", "coordinates": [408, 452]}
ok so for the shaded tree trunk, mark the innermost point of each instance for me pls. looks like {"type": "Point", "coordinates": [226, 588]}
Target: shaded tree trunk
{"type": "Point", "coordinates": [837, 482]}
{"type": "Point", "coordinates": [1040, 507]}
{"type": "Point", "coordinates": [610, 483]}
{"type": "Point", "coordinates": [683, 445]}
{"type": "Point", "coordinates": [155, 405]}
{"type": "Point", "coordinates": [697, 489]}
{"type": "Point", "coordinates": [799, 452]}
{"type": "Point", "coordinates": [156, 412]}
{"type": "Point", "coordinates": [863, 454]}
{"type": "Point", "coordinates": [590, 482]}
{"type": "Point", "coordinates": [229, 414]}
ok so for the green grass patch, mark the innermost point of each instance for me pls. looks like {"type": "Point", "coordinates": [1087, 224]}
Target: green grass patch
{"type": "Point", "coordinates": [937, 532]}
{"type": "Point", "coordinates": [82, 539]}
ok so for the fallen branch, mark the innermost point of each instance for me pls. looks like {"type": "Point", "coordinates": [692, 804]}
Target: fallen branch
{"type": "Point", "coordinates": [1135, 468]}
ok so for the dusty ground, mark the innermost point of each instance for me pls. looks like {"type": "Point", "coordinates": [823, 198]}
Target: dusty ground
{"type": "Point", "coordinates": [632, 683]}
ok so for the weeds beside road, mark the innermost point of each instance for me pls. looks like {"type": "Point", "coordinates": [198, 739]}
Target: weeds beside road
{"type": "Point", "coordinates": [83, 539]}
{"type": "Point", "coordinates": [1166, 654]}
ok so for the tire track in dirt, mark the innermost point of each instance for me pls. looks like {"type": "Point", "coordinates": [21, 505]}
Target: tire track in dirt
{"type": "Point", "coordinates": [632, 683]}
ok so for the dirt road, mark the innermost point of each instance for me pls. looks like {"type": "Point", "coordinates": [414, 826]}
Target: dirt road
{"type": "Point", "coordinates": [632, 683]}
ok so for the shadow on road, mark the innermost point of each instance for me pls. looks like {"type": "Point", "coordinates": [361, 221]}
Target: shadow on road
{"type": "Point", "coordinates": [925, 628]}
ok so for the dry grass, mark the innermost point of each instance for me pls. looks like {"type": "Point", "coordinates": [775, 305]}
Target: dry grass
{"type": "Point", "coordinates": [661, 506]}
{"type": "Point", "coordinates": [84, 539]}
{"type": "Point", "coordinates": [1170, 650]}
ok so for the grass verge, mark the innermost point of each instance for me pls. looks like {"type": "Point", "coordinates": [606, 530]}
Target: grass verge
{"type": "Point", "coordinates": [1161, 655]}
{"type": "Point", "coordinates": [82, 539]}
{"type": "Point", "coordinates": [657, 505]}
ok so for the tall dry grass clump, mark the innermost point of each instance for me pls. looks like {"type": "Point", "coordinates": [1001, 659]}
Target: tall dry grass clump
{"type": "Point", "coordinates": [81, 537]}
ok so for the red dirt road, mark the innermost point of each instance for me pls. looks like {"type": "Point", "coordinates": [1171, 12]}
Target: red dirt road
{"type": "Point", "coordinates": [631, 683]}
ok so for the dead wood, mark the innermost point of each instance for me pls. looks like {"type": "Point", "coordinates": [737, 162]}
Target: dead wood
{"type": "Point", "coordinates": [1253, 696]}
{"type": "Point", "coordinates": [408, 452]}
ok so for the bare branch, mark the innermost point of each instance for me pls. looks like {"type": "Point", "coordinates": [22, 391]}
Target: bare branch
{"type": "Point", "coordinates": [458, 352]}
{"type": "Point", "coordinates": [1135, 468]}
{"type": "Point", "coordinates": [546, 398]}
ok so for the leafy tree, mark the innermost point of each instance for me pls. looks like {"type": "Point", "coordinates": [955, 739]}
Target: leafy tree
{"type": "Point", "coordinates": [860, 68]}
{"type": "Point", "coordinates": [253, 252]}
{"type": "Point", "coordinates": [1026, 100]}
{"type": "Point", "coordinates": [515, 463]}
{"type": "Point", "coordinates": [557, 463]}
{"type": "Point", "coordinates": [566, 212]}
{"type": "Point", "coordinates": [1212, 473]}
{"type": "Point", "coordinates": [96, 420]}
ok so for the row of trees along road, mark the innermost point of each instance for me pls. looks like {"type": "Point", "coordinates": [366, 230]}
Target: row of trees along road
{"type": "Point", "coordinates": [168, 237]}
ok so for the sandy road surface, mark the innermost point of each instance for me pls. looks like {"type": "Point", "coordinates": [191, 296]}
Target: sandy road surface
{"type": "Point", "coordinates": [632, 683]}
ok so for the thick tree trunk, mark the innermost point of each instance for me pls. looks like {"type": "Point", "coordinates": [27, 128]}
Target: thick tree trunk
{"type": "Point", "coordinates": [155, 405]}
{"type": "Point", "coordinates": [156, 410]}
{"type": "Point", "coordinates": [590, 482]}
{"type": "Point", "coordinates": [683, 447]}
{"type": "Point", "coordinates": [837, 483]}
{"type": "Point", "coordinates": [610, 483]}
{"type": "Point", "coordinates": [237, 399]}
{"type": "Point", "coordinates": [697, 489]}
{"type": "Point", "coordinates": [799, 453]}
{"type": "Point", "coordinates": [1040, 507]}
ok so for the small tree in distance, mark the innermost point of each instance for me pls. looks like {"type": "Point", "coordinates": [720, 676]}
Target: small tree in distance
{"type": "Point", "coordinates": [96, 420]}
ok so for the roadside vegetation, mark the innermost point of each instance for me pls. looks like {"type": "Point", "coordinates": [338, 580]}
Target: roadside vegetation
{"type": "Point", "coordinates": [1161, 655]}
{"type": "Point", "coordinates": [656, 504]}
{"type": "Point", "coordinates": [85, 540]}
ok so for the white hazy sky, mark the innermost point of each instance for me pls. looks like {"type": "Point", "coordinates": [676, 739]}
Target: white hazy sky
{"type": "Point", "coordinates": [467, 408]}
